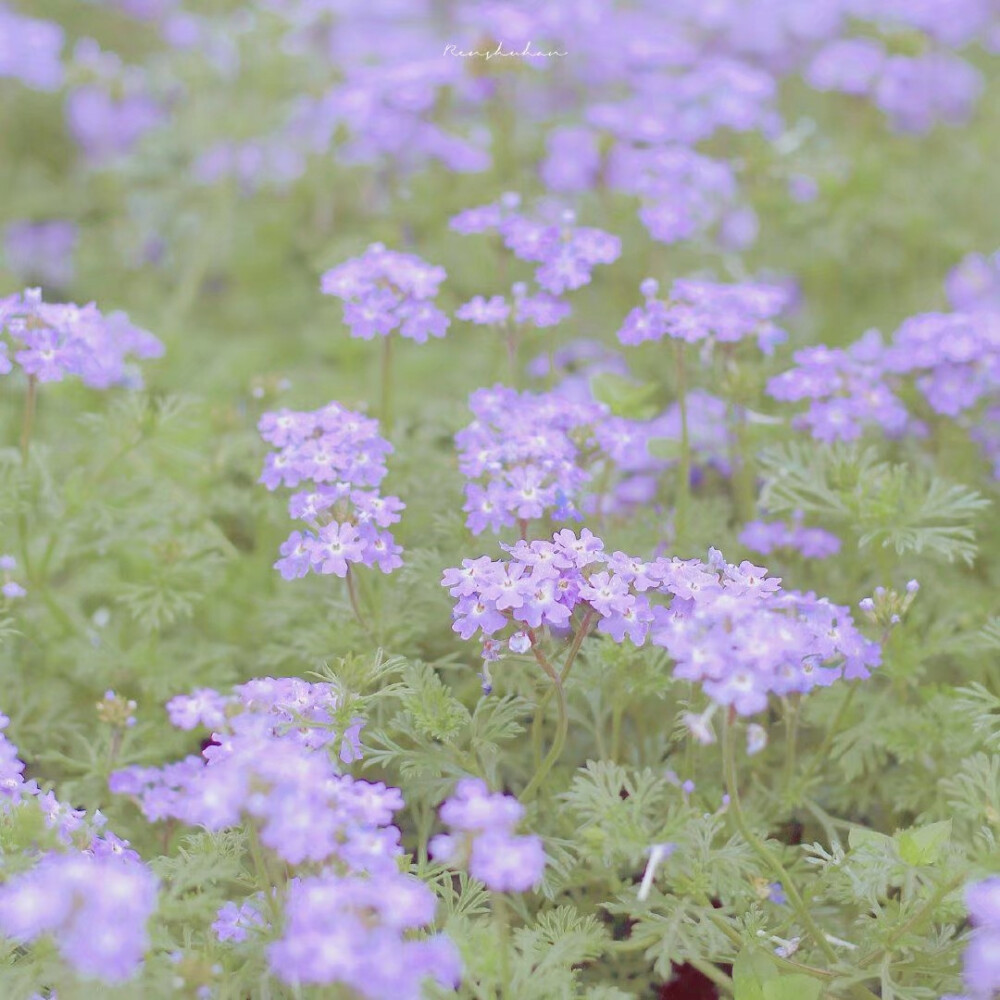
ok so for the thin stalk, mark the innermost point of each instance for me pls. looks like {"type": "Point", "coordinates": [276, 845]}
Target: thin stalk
{"type": "Point", "coordinates": [820, 756]}
{"type": "Point", "coordinates": [536, 724]}
{"type": "Point", "coordinates": [352, 592]}
{"type": "Point", "coordinates": [791, 738]}
{"type": "Point", "coordinates": [925, 911]}
{"type": "Point", "coordinates": [763, 852]}
{"type": "Point", "coordinates": [683, 503]}
{"type": "Point", "coordinates": [617, 710]}
{"type": "Point", "coordinates": [501, 923]}
{"type": "Point", "coordinates": [713, 972]}
{"type": "Point", "coordinates": [562, 727]}
{"type": "Point", "coordinates": [28, 417]}
{"type": "Point", "coordinates": [385, 410]}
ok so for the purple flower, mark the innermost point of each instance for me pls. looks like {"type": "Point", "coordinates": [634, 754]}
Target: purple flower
{"type": "Point", "coordinates": [53, 342]}
{"type": "Point", "coordinates": [30, 50]}
{"type": "Point", "coordinates": [700, 310]}
{"type": "Point", "coordinates": [384, 290]}
{"type": "Point", "coordinates": [95, 908]}
{"type": "Point", "coordinates": [504, 863]}
{"type": "Point", "coordinates": [343, 455]}
{"type": "Point", "coordinates": [353, 931]}
{"type": "Point", "coordinates": [482, 834]}
{"type": "Point", "coordinates": [41, 251]}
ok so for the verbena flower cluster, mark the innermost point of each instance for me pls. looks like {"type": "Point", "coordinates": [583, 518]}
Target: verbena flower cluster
{"type": "Point", "coordinates": [982, 956]}
{"type": "Point", "coordinates": [729, 628]}
{"type": "Point", "coordinates": [767, 536]}
{"type": "Point", "coordinates": [340, 455]}
{"type": "Point", "coordinates": [92, 895]}
{"type": "Point", "coordinates": [95, 908]}
{"type": "Point", "coordinates": [357, 932]}
{"type": "Point", "coordinates": [953, 360]}
{"type": "Point", "coordinates": [50, 342]}
{"type": "Point", "coordinates": [524, 456]}
{"type": "Point", "coordinates": [482, 839]}
{"type": "Point", "coordinates": [566, 253]}
{"type": "Point", "coordinates": [270, 763]}
{"type": "Point", "coordinates": [703, 310]}
{"type": "Point", "coordinates": [384, 290]}
{"type": "Point", "coordinates": [268, 760]}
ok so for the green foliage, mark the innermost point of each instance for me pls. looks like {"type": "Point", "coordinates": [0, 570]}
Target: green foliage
{"type": "Point", "coordinates": [884, 505]}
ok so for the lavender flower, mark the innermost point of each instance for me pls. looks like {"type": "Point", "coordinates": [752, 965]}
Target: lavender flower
{"type": "Point", "coordinates": [729, 628]}
{"type": "Point", "coordinates": [41, 251]}
{"type": "Point", "coordinates": [341, 454]}
{"type": "Point", "coordinates": [356, 932]}
{"type": "Point", "coordinates": [982, 956]}
{"type": "Point", "coordinates": [482, 836]}
{"type": "Point", "coordinates": [271, 763]}
{"type": "Point", "coordinates": [95, 908]}
{"type": "Point", "coordinates": [53, 342]}
{"type": "Point", "coordinates": [384, 290]}
{"type": "Point", "coordinates": [703, 310]}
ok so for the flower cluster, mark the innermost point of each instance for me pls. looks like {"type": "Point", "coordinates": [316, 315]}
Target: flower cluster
{"type": "Point", "coordinates": [357, 932]}
{"type": "Point", "coordinates": [973, 285]}
{"type": "Point", "coordinates": [915, 92]}
{"type": "Point", "coordinates": [699, 311]}
{"type": "Point", "coordinates": [953, 358]}
{"type": "Point", "coordinates": [41, 251]}
{"type": "Point", "coordinates": [482, 837]}
{"type": "Point", "coordinates": [982, 956]}
{"type": "Point", "coordinates": [734, 631]}
{"type": "Point", "coordinates": [846, 388]}
{"type": "Point", "coordinates": [523, 455]}
{"type": "Point", "coordinates": [729, 628]}
{"type": "Point", "coordinates": [30, 50]}
{"type": "Point", "coordinates": [50, 342]}
{"type": "Point", "coordinates": [766, 536]}
{"type": "Point", "coordinates": [565, 253]}
{"type": "Point", "coordinates": [95, 907]}
{"type": "Point", "coordinates": [343, 456]}
{"type": "Point", "coordinates": [539, 310]}
{"type": "Point", "coordinates": [268, 761]}
{"type": "Point", "coordinates": [384, 290]}
{"type": "Point", "coordinates": [682, 193]}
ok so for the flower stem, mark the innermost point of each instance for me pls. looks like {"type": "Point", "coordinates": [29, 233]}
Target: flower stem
{"type": "Point", "coordinates": [501, 922]}
{"type": "Point", "coordinates": [763, 852]}
{"type": "Point", "coordinates": [562, 726]}
{"type": "Point", "coordinates": [28, 419]}
{"type": "Point", "coordinates": [352, 592]}
{"type": "Point", "coordinates": [385, 410]}
{"type": "Point", "coordinates": [683, 503]}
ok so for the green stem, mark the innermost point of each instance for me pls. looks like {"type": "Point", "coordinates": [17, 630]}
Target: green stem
{"type": "Point", "coordinates": [352, 592]}
{"type": "Point", "coordinates": [763, 852]}
{"type": "Point", "coordinates": [28, 418]}
{"type": "Point", "coordinates": [791, 738]}
{"type": "Point", "coordinates": [617, 710]}
{"type": "Point", "coordinates": [386, 379]}
{"type": "Point", "coordinates": [684, 469]}
{"type": "Point", "coordinates": [925, 911]}
{"type": "Point", "coordinates": [713, 972]}
{"type": "Point", "coordinates": [536, 724]}
{"type": "Point", "coordinates": [824, 749]}
{"type": "Point", "coordinates": [501, 922]}
{"type": "Point", "coordinates": [562, 727]}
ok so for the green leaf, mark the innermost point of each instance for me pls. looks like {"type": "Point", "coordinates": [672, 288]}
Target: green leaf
{"type": "Point", "coordinates": [860, 836]}
{"type": "Point", "coordinates": [793, 987]}
{"type": "Point", "coordinates": [623, 396]}
{"type": "Point", "coordinates": [923, 845]}
{"type": "Point", "coordinates": [752, 971]}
